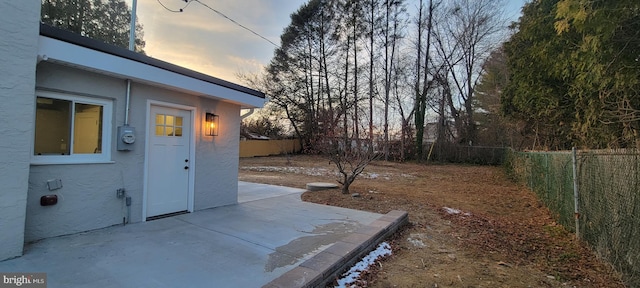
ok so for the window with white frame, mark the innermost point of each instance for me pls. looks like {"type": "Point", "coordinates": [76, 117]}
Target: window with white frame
{"type": "Point", "coordinates": [71, 129]}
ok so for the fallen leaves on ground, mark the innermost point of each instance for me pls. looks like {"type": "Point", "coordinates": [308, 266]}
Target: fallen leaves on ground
{"type": "Point", "coordinates": [502, 237]}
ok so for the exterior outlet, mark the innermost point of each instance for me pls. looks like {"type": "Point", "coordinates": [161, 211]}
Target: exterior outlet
{"type": "Point", "coordinates": [120, 193]}
{"type": "Point", "coordinates": [54, 184]}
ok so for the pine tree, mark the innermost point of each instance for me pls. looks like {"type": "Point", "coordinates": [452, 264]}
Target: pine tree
{"type": "Point", "coordinates": [104, 20]}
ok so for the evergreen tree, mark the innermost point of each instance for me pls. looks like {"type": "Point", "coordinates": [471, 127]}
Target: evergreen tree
{"type": "Point", "coordinates": [575, 73]}
{"type": "Point", "coordinates": [104, 20]}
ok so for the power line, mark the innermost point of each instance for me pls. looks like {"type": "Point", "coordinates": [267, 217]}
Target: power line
{"type": "Point", "coordinates": [174, 11]}
{"type": "Point", "coordinates": [222, 15]}
{"type": "Point", "coordinates": [234, 21]}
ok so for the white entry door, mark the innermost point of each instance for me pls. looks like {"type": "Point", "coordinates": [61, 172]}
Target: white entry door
{"type": "Point", "coordinates": [168, 160]}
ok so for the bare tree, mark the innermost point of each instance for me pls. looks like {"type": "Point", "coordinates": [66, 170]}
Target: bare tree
{"type": "Point", "coordinates": [350, 161]}
{"type": "Point", "coordinates": [391, 34]}
{"type": "Point", "coordinates": [316, 76]}
{"type": "Point", "coordinates": [402, 91]}
{"type": "Point", "coordinates": [422, 83]}
{"type": "Point", "coordinates": [466, 35]}
{"type": "Point", "coordinates": [372, 27]}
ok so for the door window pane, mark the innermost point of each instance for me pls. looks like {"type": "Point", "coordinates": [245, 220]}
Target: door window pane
{"type": "Point", "coordinates": [168, 125]}
{"type": "Point", "coordinates": [159, 119]}
{"type": "Point", "coordinates": [159, 130]}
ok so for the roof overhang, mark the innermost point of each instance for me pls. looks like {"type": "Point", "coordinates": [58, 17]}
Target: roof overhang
{"type": "Point", "coordinates": [66, 48]}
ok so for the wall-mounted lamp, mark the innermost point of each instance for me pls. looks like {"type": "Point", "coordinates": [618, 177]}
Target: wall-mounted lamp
{"type": "Point", "coordinates": [212, 122]}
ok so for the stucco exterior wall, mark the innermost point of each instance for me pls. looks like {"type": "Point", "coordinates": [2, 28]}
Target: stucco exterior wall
{"type": "Point", "coordinates": [216, 174]}
{"type": "Point", "coordinates": [217, 158]}
{"type": "Point", "coordinates": [18, 50]}
{"type": "Point", "coordinates": [88, 197]}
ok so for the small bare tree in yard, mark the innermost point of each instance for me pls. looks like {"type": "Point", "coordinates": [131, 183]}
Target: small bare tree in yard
{"type": "Point", "coordinates": [350, 159]}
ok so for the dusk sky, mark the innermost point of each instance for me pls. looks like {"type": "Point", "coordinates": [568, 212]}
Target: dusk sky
{"type": "Point", "coordinates": [202, 40]}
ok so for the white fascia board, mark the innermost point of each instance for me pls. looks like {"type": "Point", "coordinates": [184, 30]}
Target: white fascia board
{"type": "Point", "coordinates": [57, 51]}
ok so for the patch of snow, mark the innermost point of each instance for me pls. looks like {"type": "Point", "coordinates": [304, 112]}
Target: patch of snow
{"type": "Point", "coordinates": [451, 210]}
{"type": "Point", "coordinates": [454, 211]}
{"type": "Point", "coordinates": [384, 249]}
{"type": "Point", "coordinates": [294, 170]}
{"type": "Point", "coordinates": [416, 239]}
{"type": "Point", "coordinates": [312, 171]}
{"type": "Point", "coordinates": [416, 242]}
{"type": "Point", "coordinates": [373, 175]}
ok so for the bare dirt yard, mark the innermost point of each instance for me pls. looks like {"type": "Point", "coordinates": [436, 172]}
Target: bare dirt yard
{"type": "Point", "coordinates": [470, 226]}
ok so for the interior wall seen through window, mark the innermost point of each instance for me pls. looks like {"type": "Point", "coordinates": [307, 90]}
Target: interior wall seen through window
{"type": "Point", "coordinates": [54, 118]}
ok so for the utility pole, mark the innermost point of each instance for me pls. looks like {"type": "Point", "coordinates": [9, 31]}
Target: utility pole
{"type": "Point", "coordinates": [132, 28]}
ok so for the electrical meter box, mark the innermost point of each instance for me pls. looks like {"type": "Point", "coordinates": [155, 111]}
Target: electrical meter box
{"type": "Point", "coordinates": [126, 138]}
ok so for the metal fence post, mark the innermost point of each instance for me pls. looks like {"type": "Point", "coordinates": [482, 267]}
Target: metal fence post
{"type": "Point", "coordinates": [575, 191]}
{"type": "Point", "coordinates": [547, 171]}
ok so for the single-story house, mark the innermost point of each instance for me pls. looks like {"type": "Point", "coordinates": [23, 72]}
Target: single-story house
{"type": "Point", "coordinates": [96, 135]}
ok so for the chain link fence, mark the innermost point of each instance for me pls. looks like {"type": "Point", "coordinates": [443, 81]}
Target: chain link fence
{"type": "Point", "coordinates": [480, 155]}
{"type": "Point", "coordinates": [608, 199]}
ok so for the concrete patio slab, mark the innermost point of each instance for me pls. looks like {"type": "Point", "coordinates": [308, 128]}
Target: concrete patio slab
{"type": "Point", "coordinates": [263, 241]}
{"type": "Point", "coordinates": [248, 191]}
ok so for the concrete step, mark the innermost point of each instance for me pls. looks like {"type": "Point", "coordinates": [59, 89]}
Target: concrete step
{"type": "Point", "coordinates": [327, 265]}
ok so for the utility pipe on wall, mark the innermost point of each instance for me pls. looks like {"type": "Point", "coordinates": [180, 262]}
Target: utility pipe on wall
{"type": "Point", "coordinates": [127, 103]}
{"type": "Point", "coordinates": [243, 116]}
{"type": "Point", "coordinates": [132, 41]}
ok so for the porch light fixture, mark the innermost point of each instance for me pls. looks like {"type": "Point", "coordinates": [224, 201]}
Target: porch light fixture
{"type": "Point", "coordinates": [212, 122]}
